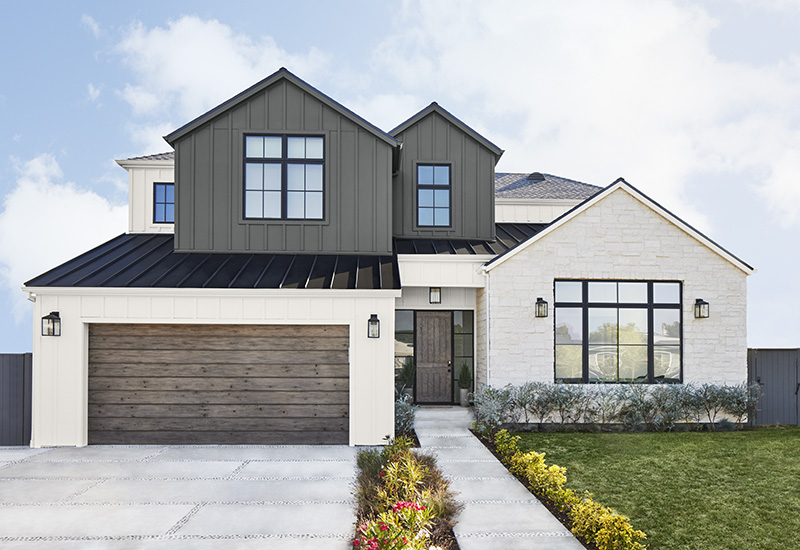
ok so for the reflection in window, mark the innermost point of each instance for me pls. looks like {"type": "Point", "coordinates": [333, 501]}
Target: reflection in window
{"type": "Point", "coordinates": [617, 331]}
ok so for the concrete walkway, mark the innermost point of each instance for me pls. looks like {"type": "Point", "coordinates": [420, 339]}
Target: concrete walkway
{"type": "Point", "coordinates": [498, 511]}
{"type": "Point", "coordinates": [131, 497]}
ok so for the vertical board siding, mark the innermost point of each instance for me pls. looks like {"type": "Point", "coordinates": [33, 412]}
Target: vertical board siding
{"type": "Point", "coordinates": [357, 199]}
{"type": "Point", "coordinates": [15, 399]}
{"type": "Point", "coordinates": [434, 139]}
{"type": "Point", "coordinates": [778, 373]}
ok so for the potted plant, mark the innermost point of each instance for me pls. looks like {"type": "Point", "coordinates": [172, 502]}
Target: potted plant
{"type": "Point", "coordinates": [407, 377]}
{"type": "Point", "coordinates": [464, 384]}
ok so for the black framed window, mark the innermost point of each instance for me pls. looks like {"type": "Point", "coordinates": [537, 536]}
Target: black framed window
{"type": "Point", "coordinates": [433, 195]}
{"type": "Point", "coordinates": [618, 331]}
{"type": "Point", "coordinates": [284, 177]}
{"type": "Point", "coordinates": [163, 202]}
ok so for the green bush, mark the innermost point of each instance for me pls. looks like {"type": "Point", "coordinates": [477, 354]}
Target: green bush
{"type": "Point", "coordinates": [404, 414]}
{"type": "Point", "coordinates": [591, 521]}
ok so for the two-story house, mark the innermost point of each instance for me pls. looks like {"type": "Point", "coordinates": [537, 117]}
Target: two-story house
{"type": "Point", "coordinates": [289, 259]}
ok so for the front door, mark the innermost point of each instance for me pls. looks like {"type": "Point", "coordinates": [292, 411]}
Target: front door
{"type": "Point", "coordinates": [434, 357]}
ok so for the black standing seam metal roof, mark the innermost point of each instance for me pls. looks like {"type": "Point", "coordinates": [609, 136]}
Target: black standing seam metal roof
{"type": "Point", "coordinates": [145, 260]}
{"type": "Point", "coordinates": [508, 235]}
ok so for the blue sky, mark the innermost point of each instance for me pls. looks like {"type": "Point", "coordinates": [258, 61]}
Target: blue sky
{"type": "Point", "coordinates": [696, 104]}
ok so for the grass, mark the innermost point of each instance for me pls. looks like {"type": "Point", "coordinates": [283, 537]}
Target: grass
{"type": "Point", "coordinates": [721, 491]}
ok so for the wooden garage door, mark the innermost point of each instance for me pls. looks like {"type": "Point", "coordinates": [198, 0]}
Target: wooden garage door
{"type": "Point", "coordinates": [218, 384]}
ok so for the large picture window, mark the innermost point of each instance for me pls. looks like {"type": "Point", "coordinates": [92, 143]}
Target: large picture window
{"type": "Point", "coordinates": [618, 331]}
{"type": "Point", "coordinates": [433, 195]}
{"type": "Point", "coordinates": [284, 177]}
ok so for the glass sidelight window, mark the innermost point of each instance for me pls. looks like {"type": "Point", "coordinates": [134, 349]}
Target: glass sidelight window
{"type": "Point", "coordinates": [618, 331]}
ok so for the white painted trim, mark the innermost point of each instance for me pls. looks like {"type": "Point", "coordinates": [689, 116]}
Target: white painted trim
{"type": "Point", "coordinates": [448, 258]}
{"type": "Point", "coordinates": [537, 202]}
{"type": "Point", "coordinates": [139, 163]}
{"type": "Point", "coordinates": [643, 199]}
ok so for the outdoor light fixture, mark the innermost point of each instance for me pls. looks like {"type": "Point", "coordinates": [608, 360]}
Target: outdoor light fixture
{"type": "Point", "coordinates": [541, 307]}
{"type": "Point", "coordinates": [435, 295]}
{"type": "Point", "coordinates": [51, 324]}
{"type": "Point", "coordinates": [700, 309]}
{"type": "Point", "coordinates": [373, 326]}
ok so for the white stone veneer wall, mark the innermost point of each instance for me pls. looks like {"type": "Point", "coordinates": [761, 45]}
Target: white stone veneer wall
{"type": "Point", "coordinates": [617, 238]}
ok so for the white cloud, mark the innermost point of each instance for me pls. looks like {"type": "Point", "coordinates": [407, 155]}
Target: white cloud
{"type": "Point", "coordinates": [193, 64]}
{"type": "Point", "coordinates": [595, 92]}
{"type": "Point", "coordinates": [149, 137]}
{"type": "Point", "coordinates": [89, 22]}
{"type": "Point", "coordinates": [46, 221]}
{"type": "Point", "coordinates": [92, 92]}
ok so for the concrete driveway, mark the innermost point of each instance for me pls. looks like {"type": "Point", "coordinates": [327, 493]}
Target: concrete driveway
{"type": "Point", "coordinates": [124, 497]}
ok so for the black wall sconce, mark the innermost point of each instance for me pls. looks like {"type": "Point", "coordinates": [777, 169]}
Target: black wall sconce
{"type": "Point", "coordinates": [700, 309]}
{"type": "Point", "coordinates": [541, 307]}
{"type": "Point", "coordinates": [51, 324]}
{"type": "Point", "coordinates": [435, 295]}
{"type": "Point", "coordinates": [373, 326]}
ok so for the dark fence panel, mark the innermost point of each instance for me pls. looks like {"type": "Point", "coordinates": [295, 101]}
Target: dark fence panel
{"type": "Point", "coordinates": [778, 373]}
{"type": "Point", "coordinates": [15, 399]}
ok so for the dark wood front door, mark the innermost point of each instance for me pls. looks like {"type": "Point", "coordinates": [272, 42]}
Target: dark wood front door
{"type": "Point", "coordinates": [434, 357]}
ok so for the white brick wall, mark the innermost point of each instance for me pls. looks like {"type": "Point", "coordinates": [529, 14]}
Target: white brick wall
{"type": "Point", "coordinates": [617, 238]}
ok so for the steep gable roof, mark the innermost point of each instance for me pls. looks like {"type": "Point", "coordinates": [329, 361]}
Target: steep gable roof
{"type": "Point", "coordinates": [444, 113]}
{"type": "Point", "coordinates": [621, 185]}
{"type": "Point", "coordinates": [277, 76]}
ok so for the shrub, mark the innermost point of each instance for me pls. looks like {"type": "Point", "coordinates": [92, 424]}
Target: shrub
{"type": "Point", "coordinates": [742, 400]}
{"type": "Point", "coordinates": [404, 413]}
{"type": "Point", "coordinates": [491, 410]}
{"type": "Point", "coordinates": [591, 521]}
{"type": "Point", "coordinates": [711, 398]}
{"type": "Point", "coordinates": [567, 402]}
{"type": "Point", "coordinates": [670, 405]}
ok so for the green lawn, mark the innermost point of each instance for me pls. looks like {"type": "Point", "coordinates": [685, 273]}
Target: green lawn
{"type": "Point", "coordinates": [704, 491]}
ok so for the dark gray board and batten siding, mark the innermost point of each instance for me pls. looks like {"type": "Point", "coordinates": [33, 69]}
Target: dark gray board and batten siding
{"type": "Point", "coordinates": [434, 139]}
{"type": "Point", "coordinates": [15, 398]}
{"type": "Point", "coordinates": [209, 180]}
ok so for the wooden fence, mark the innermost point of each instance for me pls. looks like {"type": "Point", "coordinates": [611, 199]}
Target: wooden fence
{"type": "Point", "coordinates": [778, 373]}
{"type": "Point", "coordinates": [15, 399]}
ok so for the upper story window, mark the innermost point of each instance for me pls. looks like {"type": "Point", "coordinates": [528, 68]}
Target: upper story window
{"type": "Point", "coordinates": [283, 177]}
{"type": "Point", "coordinates": [433, 195]}
{"type": "Point", "coordinates": [618, 331]}
{"type": "Point", "coordinates": [163, 202]}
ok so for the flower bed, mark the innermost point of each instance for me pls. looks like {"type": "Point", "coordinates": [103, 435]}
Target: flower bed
{"type": "Point", "coordinates": [591, 522]}
{"type": "Point", "coordinates": [403, 501]}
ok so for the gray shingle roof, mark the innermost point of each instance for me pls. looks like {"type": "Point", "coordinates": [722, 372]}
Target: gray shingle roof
{"type": "Point", "coordinates": [541, 186]}
{"type": "Point", "coordinates": [169, 155]}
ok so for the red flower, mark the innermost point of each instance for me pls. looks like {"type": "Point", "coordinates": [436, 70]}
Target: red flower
{"type": "Point", "coordinates": [355, 543]}
{"type": "Point", "coordinates": [384, 528]}
{"type": "Point", "coordinates": [382, 474]}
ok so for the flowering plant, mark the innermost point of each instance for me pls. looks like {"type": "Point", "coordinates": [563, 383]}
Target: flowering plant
{"type": "Point", "coordinates": [392, 528]}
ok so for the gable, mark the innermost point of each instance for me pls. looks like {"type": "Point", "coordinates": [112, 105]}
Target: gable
{"type": "Point", "coordinates": [633, 217]}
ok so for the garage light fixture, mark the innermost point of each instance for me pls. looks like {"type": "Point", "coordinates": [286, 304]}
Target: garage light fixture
{"type": "Point", "coordinates": [51, 324]}
{"type": "Point", "coordinates": [541, 307]}
{"type": "Point", "coordinates": [700, 309]}
{"type": "Point", "coordinates": [435, 295]}
{"type": "Point", "coordinates": [373, 326]}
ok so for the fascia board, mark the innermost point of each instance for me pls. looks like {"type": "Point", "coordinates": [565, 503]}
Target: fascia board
{"type": "Point", "coordinates": [643, 199]}
{"type": "Point", "coordinates": [445, 258]}
{"type": "Point", "coordinates": [537, 202]}
{"type": "Point", "coordinates": [146, 163]}
{"type": "Point", "coordinates": [211, 292]}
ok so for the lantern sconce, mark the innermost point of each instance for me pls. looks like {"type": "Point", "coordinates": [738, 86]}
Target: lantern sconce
{"type": "Point", "coordinates": [435, 295]}
{"type": "Point", "coordinates": [51, 324]}
{"type": "Point", "coordinates": [700, 309]}
{"type": "Point", "coordinates": [541, 307]}
{"type": "Point", "coordinates": [373, 326]}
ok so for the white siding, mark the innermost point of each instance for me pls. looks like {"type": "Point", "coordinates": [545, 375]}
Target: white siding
{"type": "Point", "coordinates": [141, 176]}
{"type": "Point", "coordinates": [60, 392]}
{"type": "Point", "coordinates": [529, 210]}
{"type": "Point", "coordinates": [443, 270]}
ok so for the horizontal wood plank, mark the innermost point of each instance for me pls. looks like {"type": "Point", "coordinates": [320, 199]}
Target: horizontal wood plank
{"type": "Point", "coordinates": [306, 437]}
{"type": "Point", "coordinates": [217, 343]}
{"type": "Point", "coordinates": [218, 424]}
{"type": "Point", "coordinates": [220, 397]}
{"type": "Point", "coordinates": [155, 370]}
{"type": "Point", "coordinates": [204, 357]}
{"type": "Point", "coordinates": [284, 331]}
{"type": "Point", "coordinates": [100, 383]}
{"type": "Point", "coordinates": [115, 410]}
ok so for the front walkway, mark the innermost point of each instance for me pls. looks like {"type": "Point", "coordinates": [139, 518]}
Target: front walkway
{"type": "Point", "coordinates": [204, 497]}
{"type": "Point", "coordinates": [499, 512]}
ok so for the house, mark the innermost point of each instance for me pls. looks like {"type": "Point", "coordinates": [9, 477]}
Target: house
{"type": "Point", "coordinates": [289, 258]}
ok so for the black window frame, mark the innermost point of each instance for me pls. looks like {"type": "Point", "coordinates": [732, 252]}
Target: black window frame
{"type": "Point", "coordinates": [156, 203]}
{"type": "Point", "coordinates": [433, 187]}
{"type": "Point", "coordinates": [284, 161]}
{"type": "Point", "coordinates": [585, 305]}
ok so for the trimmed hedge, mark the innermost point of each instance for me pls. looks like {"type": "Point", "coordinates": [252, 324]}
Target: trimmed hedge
{"type": "Point", "coordinates": [635, 406]}
{"type": "Point", "coordinates": [590, 521]}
